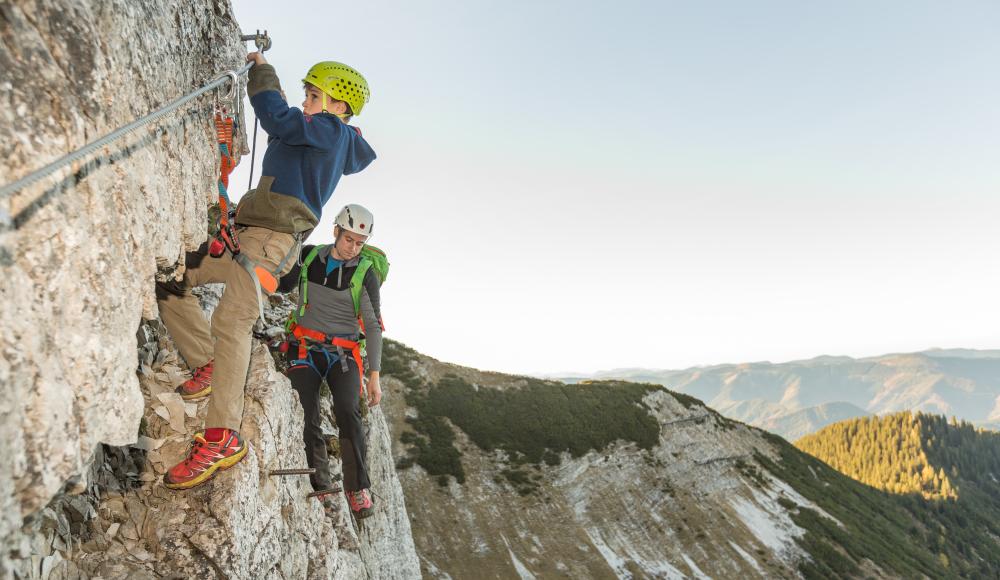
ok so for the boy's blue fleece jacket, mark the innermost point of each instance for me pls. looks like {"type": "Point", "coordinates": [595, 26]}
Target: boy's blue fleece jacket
{"type": "Point", "coordinates": [307, 154]}
{"type": "Point", "coordinates": [305, 157]}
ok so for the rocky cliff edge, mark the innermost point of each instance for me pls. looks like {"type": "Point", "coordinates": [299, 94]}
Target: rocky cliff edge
{"type": "Point", "coordinates": [86, 428]}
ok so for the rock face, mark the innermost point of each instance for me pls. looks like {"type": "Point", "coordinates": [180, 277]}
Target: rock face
{"type": "Point", "coordinates": [245, 523]}
{"type": "Point", "coordinates": [385, 539]}
{"type": "Point", "coordinates": [79, 252]}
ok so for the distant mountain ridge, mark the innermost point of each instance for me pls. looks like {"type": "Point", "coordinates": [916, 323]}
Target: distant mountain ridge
{"type": "Point", "coordinates": [798, 424]}
{"type": "Point", "coordinates": [795, 398]}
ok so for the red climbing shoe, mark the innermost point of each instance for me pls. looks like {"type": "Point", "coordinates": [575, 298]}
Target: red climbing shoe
{"type": "Point", "coordinates": [198, 386]}
{"type": "Point", "coordinates": [361, 503]}
{"type": "Point", "coordinates": [205, 459]}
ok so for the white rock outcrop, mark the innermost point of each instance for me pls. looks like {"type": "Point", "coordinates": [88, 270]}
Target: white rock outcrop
{"type": "Point", "coordinates": [245, 523]}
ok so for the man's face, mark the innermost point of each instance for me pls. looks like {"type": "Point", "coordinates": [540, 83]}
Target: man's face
{"type": "Point", "coordinates": [349, 244]}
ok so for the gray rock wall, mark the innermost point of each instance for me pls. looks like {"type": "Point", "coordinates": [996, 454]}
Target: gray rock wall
{"type": "Point", "coordinates": [243, 524]}
{"type": "Point", "coordinates": [78, 256]}
{"type": "Point", "coordinates": [386, 541]}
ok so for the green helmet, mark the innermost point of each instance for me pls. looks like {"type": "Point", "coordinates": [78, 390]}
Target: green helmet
{"type": "Point", "coordinates": [340, 82]}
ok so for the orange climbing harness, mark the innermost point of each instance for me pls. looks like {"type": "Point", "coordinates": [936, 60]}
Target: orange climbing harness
{"type": "Point", "coordinates": [303, 335]}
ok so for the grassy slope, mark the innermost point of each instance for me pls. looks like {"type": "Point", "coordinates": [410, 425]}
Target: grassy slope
{"type": "Point", "coordinates": [531, 423]}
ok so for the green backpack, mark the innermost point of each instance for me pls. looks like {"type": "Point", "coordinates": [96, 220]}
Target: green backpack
{"type": "Point", "coordinates": [371, 258]}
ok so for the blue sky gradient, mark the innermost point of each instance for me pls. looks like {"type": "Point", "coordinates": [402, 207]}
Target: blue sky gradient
{"type": "Point", "coordinates": [580, 185]}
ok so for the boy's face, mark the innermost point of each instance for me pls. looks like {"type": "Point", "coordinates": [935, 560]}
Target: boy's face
{"type": "Point", "coordinates": [313, 104]}
{"type": "Point", "coordinates": [349, 244]}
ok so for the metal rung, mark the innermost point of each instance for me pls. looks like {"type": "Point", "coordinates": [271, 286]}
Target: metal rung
{"type": "Point", "coordinates": [325, 492]}
{"type": "Point", "coordinates": [307, 471]}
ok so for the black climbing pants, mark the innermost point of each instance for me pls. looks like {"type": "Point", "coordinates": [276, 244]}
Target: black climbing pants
{"type": "Point", "coordinates": [345, 386]}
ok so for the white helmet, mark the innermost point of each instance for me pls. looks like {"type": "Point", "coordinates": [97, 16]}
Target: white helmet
{"type": "Point", "coordinates": [357, 219]}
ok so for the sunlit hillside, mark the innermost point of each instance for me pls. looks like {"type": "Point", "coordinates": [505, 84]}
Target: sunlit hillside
{"type": "Point", "coordinates": [946, 474]}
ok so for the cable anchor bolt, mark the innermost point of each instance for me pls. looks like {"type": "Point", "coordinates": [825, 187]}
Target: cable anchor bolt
{"type": "Point", "coordinates": [261, 40]}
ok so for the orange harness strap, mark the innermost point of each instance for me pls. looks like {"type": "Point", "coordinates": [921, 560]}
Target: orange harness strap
{"type": "Point", "coordinates": [301, 333]}
{"type": "Point", "coordinates": [224, 135]}
{"type": "Point", "coordinates": [225, 132]}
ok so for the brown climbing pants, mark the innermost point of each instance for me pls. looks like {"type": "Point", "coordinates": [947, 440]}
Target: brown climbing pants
{"type": "Point", "coordinates": [232, 321]}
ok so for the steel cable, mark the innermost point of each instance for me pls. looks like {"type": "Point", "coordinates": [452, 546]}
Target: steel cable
{"type": "Point", "coordinates": [86, 150]}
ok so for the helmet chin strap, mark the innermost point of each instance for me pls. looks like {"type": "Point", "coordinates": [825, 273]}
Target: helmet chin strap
{"type": "Point", "coordinates": [341, 116]}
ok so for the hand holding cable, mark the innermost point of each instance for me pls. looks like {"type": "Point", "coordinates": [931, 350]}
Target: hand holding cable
{"type": "Point", "coordinates": [256, 58]}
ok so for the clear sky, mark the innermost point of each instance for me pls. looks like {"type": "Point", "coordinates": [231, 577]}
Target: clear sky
{"type": "Point", "coordinates": [577, 185]}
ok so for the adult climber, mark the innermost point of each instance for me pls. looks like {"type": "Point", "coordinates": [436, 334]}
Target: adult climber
{"type": "Point", "coordinates": [339, 306]}
{"type": "Point", "coordinates": [308, 151]}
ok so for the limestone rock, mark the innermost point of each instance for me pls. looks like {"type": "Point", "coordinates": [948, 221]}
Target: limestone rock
{"type": "Point", "coordinates": [386, 545]}
{"type": "Point", "coordinates": [80, 251]}
{"type": "Point", "coordinates": [175, 410]}
{"type": "Point", "coordinates": [85, 367]}
{"type": "Point", "coordinates": [244, 523]}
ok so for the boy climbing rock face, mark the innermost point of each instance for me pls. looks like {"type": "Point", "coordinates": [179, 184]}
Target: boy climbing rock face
{"type": "Point", "coordinates": [307, 153]}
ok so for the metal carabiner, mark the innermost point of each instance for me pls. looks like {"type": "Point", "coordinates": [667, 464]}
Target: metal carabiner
{"type": "Point", "coordinates": [234, 79]}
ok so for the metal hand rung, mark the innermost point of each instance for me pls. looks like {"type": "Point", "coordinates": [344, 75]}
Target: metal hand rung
{"type": "Point", "coordinates": [306, 471]}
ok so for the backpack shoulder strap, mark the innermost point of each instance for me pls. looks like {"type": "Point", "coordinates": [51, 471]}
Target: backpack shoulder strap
{"type": "Point", "coordinates": [303, 284]}
{"type": "Point", "coordinates": [312, 256]}
{"type": "Point", "coordinates": [358, 283]}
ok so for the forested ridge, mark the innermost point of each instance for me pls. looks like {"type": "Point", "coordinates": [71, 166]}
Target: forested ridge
{"type": "Point", "coordinates": [945, 474]}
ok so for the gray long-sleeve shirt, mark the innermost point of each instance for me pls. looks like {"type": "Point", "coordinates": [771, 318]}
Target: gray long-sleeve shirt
{"type": "Point", "coordinates": [330, 308]}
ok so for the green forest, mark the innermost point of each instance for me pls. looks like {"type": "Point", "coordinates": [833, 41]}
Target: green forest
{"type": "Point", "coordinates": [939, 483]}
{"type": "Point", "coordinates": [886, 453]}
{"type": "Point", "coordinates": [910, 453]}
